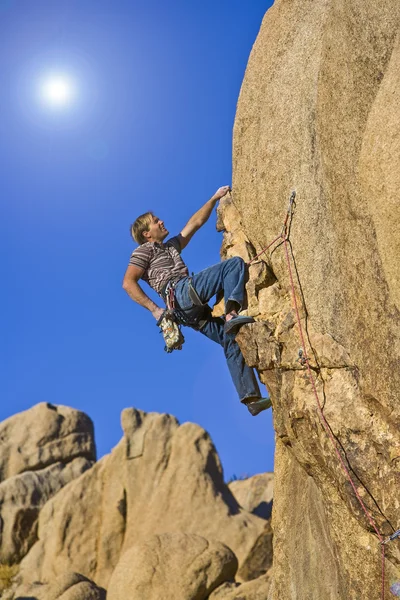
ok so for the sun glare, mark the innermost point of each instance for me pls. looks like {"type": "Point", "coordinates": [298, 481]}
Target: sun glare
{"type": "Point", "coordinates": [57, 91]}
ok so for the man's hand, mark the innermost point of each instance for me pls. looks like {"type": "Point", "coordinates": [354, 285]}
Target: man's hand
{"type": "Point", "coordinates": [157, 312]}
{"type": "Point", "coordinates": [221, 192]}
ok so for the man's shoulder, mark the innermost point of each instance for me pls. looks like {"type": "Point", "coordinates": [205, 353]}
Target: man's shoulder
{"type": "Point", "coordinates": [175, 242]}
{"type": "Point", "coordinates": [142, 256]}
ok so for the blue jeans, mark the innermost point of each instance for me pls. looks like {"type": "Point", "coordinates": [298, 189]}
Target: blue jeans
{"type": "Point", "coordinates": [228, 276]}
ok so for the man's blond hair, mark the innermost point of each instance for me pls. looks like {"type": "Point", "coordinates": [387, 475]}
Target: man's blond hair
{"type": "Point", "coordinates": [141, 225]}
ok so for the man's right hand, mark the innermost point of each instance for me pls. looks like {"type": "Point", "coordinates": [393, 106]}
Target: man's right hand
{"type": "Point", "coordinates": [157, 313]}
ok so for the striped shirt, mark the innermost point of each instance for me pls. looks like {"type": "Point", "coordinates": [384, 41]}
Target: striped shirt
{"type": "Point", "coordinates": [161, 263]}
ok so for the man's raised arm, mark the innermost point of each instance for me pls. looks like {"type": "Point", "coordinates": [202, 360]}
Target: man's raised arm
{"type": "Point", "coordinates": [133, 289]}
{"type": "Point", "coordinates": [201, 216]}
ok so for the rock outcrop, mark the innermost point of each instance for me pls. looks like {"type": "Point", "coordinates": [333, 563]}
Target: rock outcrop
{"type": "Point", "coordinates": [41, 450]}
{"type": "Point", "coordinates": [318, 113]}
{"type": "Point", "coordinates": [42, 436]}
{"type": "Point", "coordinates": [162, 478]}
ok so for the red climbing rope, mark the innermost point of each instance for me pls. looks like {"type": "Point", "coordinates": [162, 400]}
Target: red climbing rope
{"type": "Point", "coordinates": [262, 251]}
{"type": "Point", "coordinates": [305, 360]}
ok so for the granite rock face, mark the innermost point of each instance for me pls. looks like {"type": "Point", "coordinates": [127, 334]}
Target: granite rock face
{"type": "Point", "coordinates": [318, 112]}
{"type": "Point", "coordinates": [161, 478]}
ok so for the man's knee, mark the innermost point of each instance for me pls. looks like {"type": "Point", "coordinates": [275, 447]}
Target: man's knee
{"type": "Point", "coordinates": [237, 265]}
{"type": "Point", "coordinates": [236, 261]}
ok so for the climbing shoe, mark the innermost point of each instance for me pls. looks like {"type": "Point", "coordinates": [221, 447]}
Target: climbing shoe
{"type": "Point", "coordinates": [236, 322]}
{"type": "Point", "coordinates": [258, 405]}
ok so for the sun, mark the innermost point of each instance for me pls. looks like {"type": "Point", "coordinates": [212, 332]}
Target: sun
{"type": "Point", "coordinates": [57, 91]}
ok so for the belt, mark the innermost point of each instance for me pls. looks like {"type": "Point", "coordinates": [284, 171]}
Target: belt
{"type": "Point", "coordinates": [202, 314]}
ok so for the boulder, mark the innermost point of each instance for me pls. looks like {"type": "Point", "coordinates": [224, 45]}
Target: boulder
{"type": "Point", "coordinates": [161, 478]}
{"type": "Point", "coordinates": [171, 566]}
{"type": "Point", "coordinates": [44, 435]}
{"type": "Point", "coordinates": [21, 499]}
{"type": "Point", "coordinates": [258, 589]}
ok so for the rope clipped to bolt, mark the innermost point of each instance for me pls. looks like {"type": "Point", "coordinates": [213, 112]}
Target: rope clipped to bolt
{"type": "Point", "coordinates": [304, 361]}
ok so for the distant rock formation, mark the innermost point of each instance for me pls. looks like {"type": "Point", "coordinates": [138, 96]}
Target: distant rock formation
{"type": "Point", "coordinates": [152, 519]}
{"type": "Point", "coordinates": [255, 493]}
{"type": "Point", "coordinates": [21, 499]}
{"type": "Point", "coordinates": [319, 113]}
{"type": "Point", "coordinates": [44, 435]}
{"type": "Point", "coordinates": [41, 450]}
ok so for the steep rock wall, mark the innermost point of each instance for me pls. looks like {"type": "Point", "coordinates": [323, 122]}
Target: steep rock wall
{"type": "Point", "coordinates": [318, 112]}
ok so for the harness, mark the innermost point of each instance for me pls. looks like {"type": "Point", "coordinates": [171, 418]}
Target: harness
{"type": "Point", "coordinates": [196, 316]}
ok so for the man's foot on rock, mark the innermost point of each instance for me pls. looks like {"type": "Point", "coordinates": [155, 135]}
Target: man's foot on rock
{"type": "Point", "coordinates": [257, 405]}
{"type": "Point", "coordinates": [236, 322]}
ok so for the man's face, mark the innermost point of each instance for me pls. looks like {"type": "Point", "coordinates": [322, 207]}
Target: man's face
{"type": "Point", "coordinates": [157, 232]}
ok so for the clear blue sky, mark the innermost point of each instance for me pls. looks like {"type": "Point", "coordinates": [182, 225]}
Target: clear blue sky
{"type": "Point", "coordinates": [149, 128]}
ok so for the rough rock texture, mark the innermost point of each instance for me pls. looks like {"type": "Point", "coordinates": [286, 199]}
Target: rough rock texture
{"type": "Point", "coordinates": [255, 493]}
{"type": "Point", "coordinates": [171, 566]}
{"type": "Point", "coordinates": [69, 586]}
{"type": "Point", "coordinates": [259, 559]}
{"type": "Point", "coordinates": [162, 477]}
{"type": "Point", "coordinates": [43, 435]}
{"type": "Point", "coordinates": [318, 112]}
{"type": "Point", "coordinates": [258, 589]}
{"type": "Point", "coordinates": [21, 499]}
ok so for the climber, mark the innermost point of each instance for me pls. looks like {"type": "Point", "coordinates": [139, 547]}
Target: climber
{"type": "Point", "coordinates": [160, 265]}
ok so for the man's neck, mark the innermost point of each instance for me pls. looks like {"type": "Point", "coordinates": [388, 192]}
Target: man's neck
{"type": "Point", "coordinates": [151, 241]}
